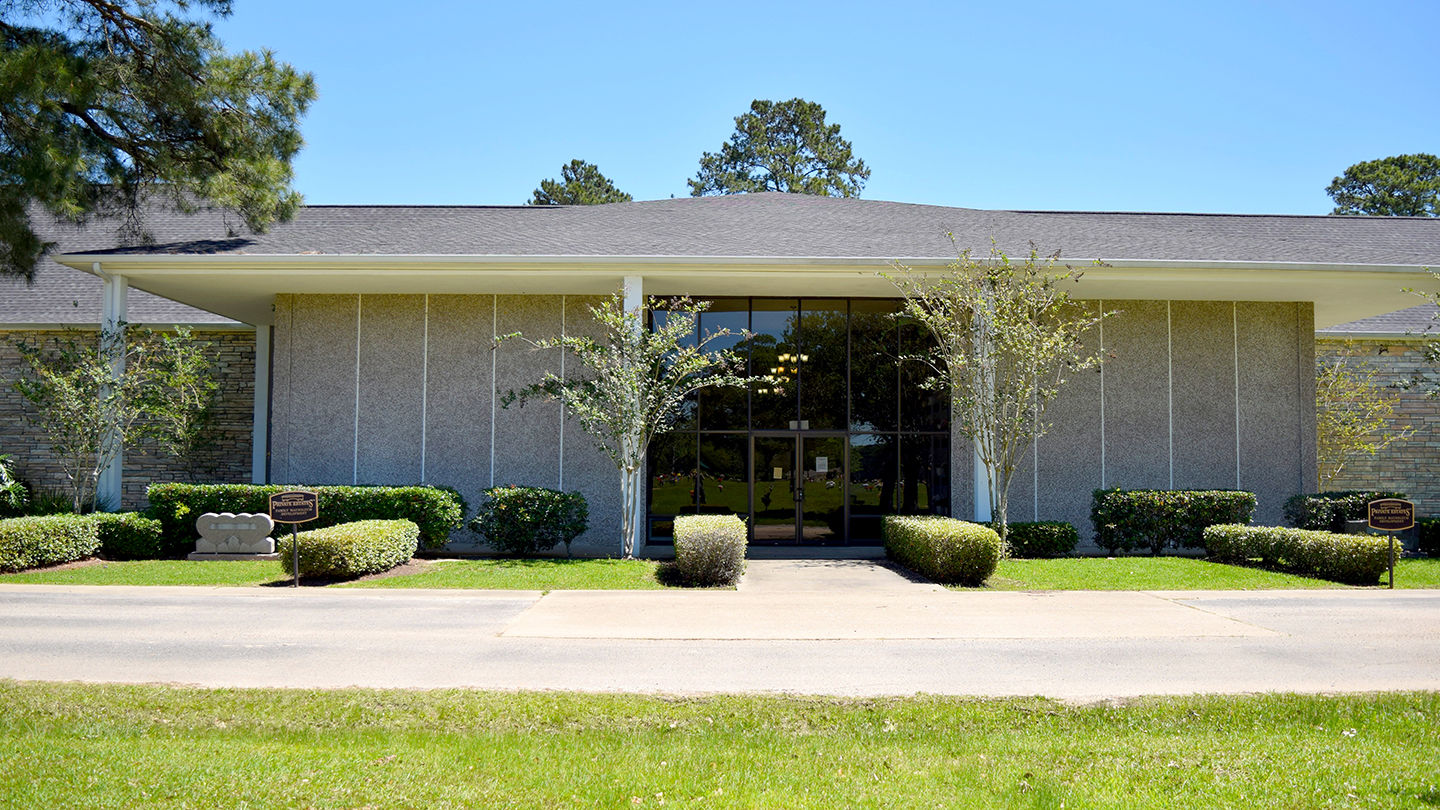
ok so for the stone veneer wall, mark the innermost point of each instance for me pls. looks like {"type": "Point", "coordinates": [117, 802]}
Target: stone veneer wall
{"type": "Point", "coordinates": [1194, 395]}
{"type": "Point", "coordinates": [1411, 466]}
{"type": "Point", "coordinates": [227, 460]}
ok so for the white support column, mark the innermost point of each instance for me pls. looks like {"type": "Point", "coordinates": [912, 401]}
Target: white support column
{"type": "Point", "coordinates": [982, 491]}
{"type": "Point", "coordinates": [633, 290]}
{"type": "Point", "coordinates": [260, 428]}
{"type": "Point", "coordinates": [112, 339]}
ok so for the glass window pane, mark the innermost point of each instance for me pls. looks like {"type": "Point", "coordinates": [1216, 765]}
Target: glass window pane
{"type": "Point", "coordinates": [874, 365]}
{"type": "Point", "coordinates": [774, 353]}
{"type": "Point", "coordinates": [822, 349]}
{"type": "Point", "coordinates": [725, 408]}
{"type": "Point", "coordinates": [924, 475]}
{"type": "Point", "coordinates": [920, 408]}
{"type": "Point", "coordinates": [724, 484]}
{"type": "Point", "coordinates": [872, 483]}
{"type": "Point", "coordinates": [672, 474]}
{"type": "Point", "coordinates": [689, 410]}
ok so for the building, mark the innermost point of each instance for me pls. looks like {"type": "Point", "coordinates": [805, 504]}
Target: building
{"type": "Point", "coordinates": [1392, 344]}
{"type": "Point", "coordinates": [375, 326]}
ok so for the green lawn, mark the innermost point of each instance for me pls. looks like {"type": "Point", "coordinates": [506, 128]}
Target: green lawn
{"type": "Point", "coordinates": [156, 572]}
{"type": "Point", "coordinates": [1172, 574]}
{"type": "Point", "coordinates": [76, 745]}
{"type": "Point", "coordinates": [528, 575]}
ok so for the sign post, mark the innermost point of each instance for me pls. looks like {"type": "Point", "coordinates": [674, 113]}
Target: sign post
{"type": "Point", "coordinates": [295, 506]}
{"type": "Point", "coordinates": [1391, 515]}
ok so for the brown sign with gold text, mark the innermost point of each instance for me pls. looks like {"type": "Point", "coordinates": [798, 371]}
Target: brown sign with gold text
{"type": "Point", "coordinates": [1391, 514]}
{"type": "Point", "coordinates": [294, 506]}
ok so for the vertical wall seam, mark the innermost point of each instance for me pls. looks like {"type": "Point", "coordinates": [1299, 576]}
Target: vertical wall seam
{"type": "Point", "coordinates": [1235, 336]}
{"type": "Point", "coordinates": [561, 477]}
{"type": "Point", "coordinates": [1170, 388]}
{"type": "Point", "coordinates": [290, 393]}
{"type": "Point", "coordinates": [355, 465]}
{"type": "Point", "coordinates": [494, 384]}
{"type": "Point", "coordinates": [424, 385]}
{"type": "Point", "coordinates": [1102, 394]}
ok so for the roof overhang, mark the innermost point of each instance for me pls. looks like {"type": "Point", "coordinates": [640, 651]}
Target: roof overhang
{"type": "Point", "coordinates": [244, 287]}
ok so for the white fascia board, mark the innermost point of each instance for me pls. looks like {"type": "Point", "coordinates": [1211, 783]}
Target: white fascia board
{"type": "Point", "coordinates": [222, 261]}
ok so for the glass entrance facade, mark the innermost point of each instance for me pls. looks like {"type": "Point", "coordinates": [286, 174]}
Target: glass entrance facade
{"type": "Point", "coordinates": [840, 433]}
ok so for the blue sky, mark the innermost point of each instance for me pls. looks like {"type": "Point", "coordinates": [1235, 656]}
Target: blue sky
{"type": "Point", "coordinates": [1245, 107]}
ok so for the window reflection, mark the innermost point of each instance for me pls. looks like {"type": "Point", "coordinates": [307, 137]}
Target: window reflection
{"type": "Point", "coordinates": [774, 355]}
{"type": "Point", "coordinates": [726, 408]}
{"type": "Point", "coordinates": [831, 365]}
{"type": "Point", "coordinates": [874, 366]}
{"type": "Point", "coordinates": [823, 347]}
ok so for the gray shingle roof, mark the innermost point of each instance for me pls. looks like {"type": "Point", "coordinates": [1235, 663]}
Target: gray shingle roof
{"type": "Point", "coordinates": [792, 225]}
{"type": "Point", "coordinates": [769, 224]}
{"type": "Point", "coordinates": [67, 296]}
{"type": "Point", "coordinates": [1421, 320]}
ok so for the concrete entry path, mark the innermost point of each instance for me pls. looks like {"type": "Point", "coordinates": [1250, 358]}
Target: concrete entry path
{"type": "Point", "coordinates": [861, 599]}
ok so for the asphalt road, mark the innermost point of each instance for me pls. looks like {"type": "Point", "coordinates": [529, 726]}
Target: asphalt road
{"type": "Point", "coordinates": [1079, 646]}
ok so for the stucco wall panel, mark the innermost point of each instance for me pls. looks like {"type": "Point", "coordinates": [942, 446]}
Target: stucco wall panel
{"type": "Point", "coordinates": [1270, 410]}
{"type": "Point", "coordinates": [527, 439]}
{"type": "Point", "coordinates": [1137, 397]}
{"type": "Point", "coordinates": [1203, 356]}
{"type": "Point", "coordinates": [392, 334]}
{"type": "Point", "coordinates": [319, 432]}
{"type": "Point", "coordinates": [457, 446]}
{"type": "Point", "coordinates": [587, 468]}
{"type": "Point", "coordinates": [1070, 452]}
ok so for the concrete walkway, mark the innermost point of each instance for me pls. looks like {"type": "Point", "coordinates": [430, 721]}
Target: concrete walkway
{"type": "Point", "coordinates": [870, 632]}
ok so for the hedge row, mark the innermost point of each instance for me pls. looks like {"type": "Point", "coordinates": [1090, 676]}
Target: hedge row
{"type": "Point", "coordinates": [128, 536]}
{"type": "Point", "coordinates": [1354, 559]}
{"type": "Point", "coordinates": [709, 550]}
{"type": "Point", "coordinates": [435, 510]}
{"type": "Point", "coordinates": [941, 548]}
{"type": "Point", "coordinates": [1428, 531]}
{"type": "Point", "coordinates": [1159, 518]}
{"type": "Point", "coordinates": [1046, 538]}
{"type": "Point", "coordinates": [1328, 511]}
{"type": "Point", "coordinates": [351, 549]}
{"type": "Point", "coordinates": [526, 520]}
{"type": "Point", "coordinates": [30, 542]}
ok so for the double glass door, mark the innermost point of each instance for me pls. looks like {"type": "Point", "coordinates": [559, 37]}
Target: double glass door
{"type": "Point", "coordinates": [799, 487]}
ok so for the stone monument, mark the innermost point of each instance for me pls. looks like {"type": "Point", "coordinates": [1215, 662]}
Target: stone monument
{"type": "Point", "coordinates": [227, 536]}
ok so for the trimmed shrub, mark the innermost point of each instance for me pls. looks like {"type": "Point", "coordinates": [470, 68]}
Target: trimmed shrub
{"type": "Point", "coordinates": [1158, 519]}
{"type": "Point", "coordinates": [14, 496]}
{"type": "Point", "coordinates": [29, 542]}
{"type": "Point", "coordinates": [351, 549]}
{"type": "Point", "coordinates": [1045, 538]}
{"type": "Point", "coordinates": [436, 510]}
{"type": "Point", "coordinates": [943, 549]}
{"type": "Point", "coordinates": [128, 536]}
{"type": "Point", "coordinates": [1328, 511]}
{"type": "Point", "coordinates": [1427, 531]}
{"type": "Point", "coordinates": [527, 520]}
{"type": "Point", "coordinates": [709, 550]}
{"type": "Point", "coordinates": [1354, 559]}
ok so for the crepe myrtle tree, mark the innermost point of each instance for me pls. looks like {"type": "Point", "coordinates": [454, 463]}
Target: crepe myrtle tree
{"type": "Point", "coordinates": [632, 383]}
{"type": "Point", "coordinates": [95, 395]}
{"type": "Point", "coordinates": [1355, 415]}
{"type": "Point", "coordinates": [1006, 336]}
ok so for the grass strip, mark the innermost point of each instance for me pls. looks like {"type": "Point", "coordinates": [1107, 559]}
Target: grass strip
{"type": "Point", "coordinates": [1171, 574]}
{"type": "Point", "coordinates": [526, 575]}
{"type": "Point", "coordinates": [165, 747]}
